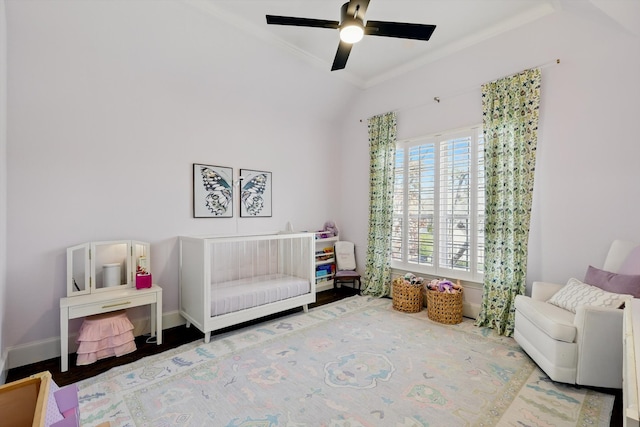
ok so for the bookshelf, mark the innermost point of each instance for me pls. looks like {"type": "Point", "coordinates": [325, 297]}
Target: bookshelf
{"type": "Point", "coordinates": [325, 261]}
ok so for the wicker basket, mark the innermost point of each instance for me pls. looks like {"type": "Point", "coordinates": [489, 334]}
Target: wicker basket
{"type": "Point", "coordinates": [406, 297]}
{"type": "Point", "coordinates": [444, 308]}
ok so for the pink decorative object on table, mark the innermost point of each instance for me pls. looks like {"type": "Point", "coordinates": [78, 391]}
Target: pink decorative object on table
{"type": "Point", "coordinates": [143, 281]}
{"type": "Point", "coordinates": [143, 277]}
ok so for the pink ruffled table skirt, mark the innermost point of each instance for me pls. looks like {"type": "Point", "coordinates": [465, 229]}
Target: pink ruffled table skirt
{"type": "Point", "coordinates": [105, 335]}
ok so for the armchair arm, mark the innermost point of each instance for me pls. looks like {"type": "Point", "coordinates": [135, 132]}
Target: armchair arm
{"type": "Point", "coordinates": [599, 338]}
{"type": "Point", "coordinates": [542, 291]}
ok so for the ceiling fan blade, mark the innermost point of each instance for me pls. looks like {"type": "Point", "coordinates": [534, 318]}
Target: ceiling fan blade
{"type": "Point", "coordinates": [301, 22]}
{"type": "Point", "coordinates": [399, 29]}
{"type": "Point", "coordinates": [339, 62]}
{"type": "Point", "coordinates": [360, 6]}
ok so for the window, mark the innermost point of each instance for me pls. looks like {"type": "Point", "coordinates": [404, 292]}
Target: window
{"type": "Point", "coordinates": [438, 205]}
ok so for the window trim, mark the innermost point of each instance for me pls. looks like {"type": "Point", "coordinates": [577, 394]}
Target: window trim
{"type": "Point", "coordinates": [436, 270]}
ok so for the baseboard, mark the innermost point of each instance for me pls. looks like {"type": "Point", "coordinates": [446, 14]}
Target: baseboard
{"type": "Point", "coordinates": [325, 286]}
{"type": "Point", "coordinates": [37, 351]}
{"type": "Point", "coordinates": [470, 310]}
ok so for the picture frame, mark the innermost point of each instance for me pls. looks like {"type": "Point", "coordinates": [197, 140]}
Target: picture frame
{"type": "Point", "coordinates": [255, 194]}
{"type": "Point", "coordinates": [212, 191]}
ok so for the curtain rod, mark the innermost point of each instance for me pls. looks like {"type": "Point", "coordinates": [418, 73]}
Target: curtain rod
{"type": "Point", "coordinates": [437, 99]}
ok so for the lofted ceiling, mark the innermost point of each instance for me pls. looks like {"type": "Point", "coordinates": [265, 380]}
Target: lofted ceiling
{"type": "Point", "coordinates": [459, 24]}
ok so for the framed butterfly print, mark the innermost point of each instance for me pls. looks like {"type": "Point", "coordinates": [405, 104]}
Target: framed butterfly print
{"type": "Point", "coordinates": [255, 193]}
{"type": "Point", "coordinates": [212, 191]}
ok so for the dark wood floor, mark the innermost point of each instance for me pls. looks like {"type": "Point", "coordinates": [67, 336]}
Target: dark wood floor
{"type": "Point", "coordinates": [180, 335]}
{"type": "Point", "coordinates": [171, 338]}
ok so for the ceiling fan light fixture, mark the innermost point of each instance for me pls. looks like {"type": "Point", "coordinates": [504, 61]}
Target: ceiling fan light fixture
{"type": "Point", "coordinates": [351, 30]}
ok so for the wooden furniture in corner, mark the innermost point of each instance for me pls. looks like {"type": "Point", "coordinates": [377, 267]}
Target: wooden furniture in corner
{"type": "Point", "coordinates": [23, 403]}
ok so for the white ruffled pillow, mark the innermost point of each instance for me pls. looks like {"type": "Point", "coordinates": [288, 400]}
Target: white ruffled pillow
{"type": "Point", "coordinates": [576, 293]}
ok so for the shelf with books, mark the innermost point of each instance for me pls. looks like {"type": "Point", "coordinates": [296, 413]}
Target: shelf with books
{"type": "Point", "coordinates": [325, 261]}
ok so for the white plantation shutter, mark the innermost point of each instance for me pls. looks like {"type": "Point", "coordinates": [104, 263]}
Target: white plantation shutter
{"type": "Point", "coordinates": [455, 203]}
{"type": "Point", "coordinates": [397, 247]}
{"type": "Point", "coordinates": [439, 205]}
{"type": "Point", "coordinates": [480, 204]}
{"type": "Point", "coordinates": [421, 203]}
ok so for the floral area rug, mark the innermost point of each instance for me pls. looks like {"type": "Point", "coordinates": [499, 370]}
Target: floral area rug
{"type": "Point", "coordinates": [355, 362]}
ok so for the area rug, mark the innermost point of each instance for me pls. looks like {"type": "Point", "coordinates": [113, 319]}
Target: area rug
{"type": "Point", "coordinates": [355, 362]}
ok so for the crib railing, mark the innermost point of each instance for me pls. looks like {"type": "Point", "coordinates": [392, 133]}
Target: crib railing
{"type": "Point", "coordinates": [241, 258]}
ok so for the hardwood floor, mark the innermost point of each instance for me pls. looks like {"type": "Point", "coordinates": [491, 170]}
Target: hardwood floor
{"type": "Point", "coordinates": [171, 338]}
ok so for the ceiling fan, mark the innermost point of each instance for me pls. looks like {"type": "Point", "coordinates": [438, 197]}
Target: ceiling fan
{"type": "Point", "coordinates": [352, 28]}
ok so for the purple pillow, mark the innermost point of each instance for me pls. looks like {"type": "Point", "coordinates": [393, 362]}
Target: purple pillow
{"type": "Point", "coordinates": [613, 282]}
{"type": "Point", "coordinates": [631, 264]}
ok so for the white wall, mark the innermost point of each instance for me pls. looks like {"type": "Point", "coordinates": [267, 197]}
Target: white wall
{"type": "Point", "coordinates": [110, 103]}
{"type": "Point", "coordinates": [586, 191]}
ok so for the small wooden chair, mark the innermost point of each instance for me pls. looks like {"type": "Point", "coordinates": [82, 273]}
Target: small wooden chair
{"type": "Point", "coordinates": [345, 264]}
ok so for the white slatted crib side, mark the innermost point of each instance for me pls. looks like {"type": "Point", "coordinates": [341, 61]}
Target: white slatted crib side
{"type": "Point", "coordinates": [297, 258]}
{"type": "Point", "coordinates": [195, 271]}
{"type": "Point", "coordinates": [311, 260]}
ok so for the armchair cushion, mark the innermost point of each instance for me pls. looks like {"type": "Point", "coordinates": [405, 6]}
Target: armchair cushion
{"type": "Point", "coordinates": [576, 293]}
{"type": "Point", "coordinates": [613, 282]}
{"type": "Point", "coordinates": [542, 291]}
{"type": "Point", "coordinates": [554, 321]}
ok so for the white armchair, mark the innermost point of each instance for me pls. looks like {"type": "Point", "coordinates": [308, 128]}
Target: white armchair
{"type": "Point", "coordinates": [584, 348]}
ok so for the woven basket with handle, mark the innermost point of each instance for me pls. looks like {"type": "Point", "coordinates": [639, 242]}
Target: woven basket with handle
{"type": "Point", "coordinates": [444, 308]}
{"type": "Point", "coordinates": [406, 297]}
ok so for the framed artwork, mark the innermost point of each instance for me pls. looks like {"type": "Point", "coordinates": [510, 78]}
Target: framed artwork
{"type": "Point", "coordinates": [212, 191]}
{"type": "Point", "coordinates": [255, 193]}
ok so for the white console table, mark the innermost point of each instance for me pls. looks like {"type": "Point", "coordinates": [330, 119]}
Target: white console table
{"type": "Point", "coordinates": [631, 364]}
{"type": "Point", "coordinates": [103, 302]}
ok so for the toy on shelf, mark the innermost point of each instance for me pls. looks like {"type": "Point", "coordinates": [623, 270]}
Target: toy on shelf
{"type": "Point", "coordinates": [329, 230]}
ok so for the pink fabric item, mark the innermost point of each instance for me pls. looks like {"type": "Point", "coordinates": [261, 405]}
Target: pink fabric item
{"type": "Point", "coordinates": [631, 264]}
{"type": "Point", "coordinates": [70, 412]}
{"type": "Point", "coordinates": [97, 327]}
{"type": "Point", "coordinates": [105, 343]}
{"type": "Point", "coordinates": [105, 335]}
{"type": "Point", "coordinates": [88, 358]}
{"type": "Point", "coordinates": [67, 400]}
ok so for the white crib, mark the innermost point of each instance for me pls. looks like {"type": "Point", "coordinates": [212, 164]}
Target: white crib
{"type": "Point", "coordinates": [225, 281]}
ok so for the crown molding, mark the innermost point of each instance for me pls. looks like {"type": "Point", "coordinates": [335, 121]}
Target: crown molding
{"type": "Point", "coordinates": [529, 16]}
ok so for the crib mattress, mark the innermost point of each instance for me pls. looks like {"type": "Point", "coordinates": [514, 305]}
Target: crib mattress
{"type": "Point", "coordinates": [227, 297]}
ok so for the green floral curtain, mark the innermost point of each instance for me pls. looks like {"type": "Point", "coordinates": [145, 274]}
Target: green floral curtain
{"type": "Point", "coordinates": [382, 149]}
{"type": "Point", "coordinates": [510, 119]}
